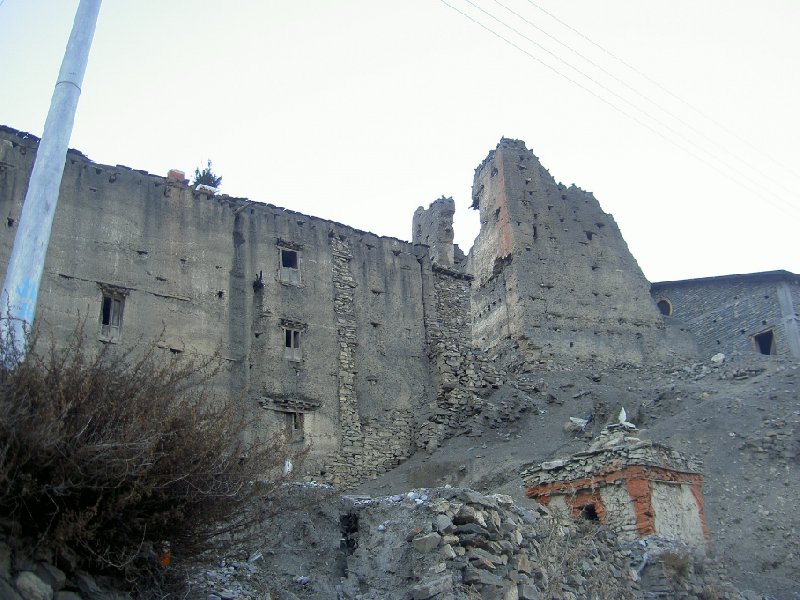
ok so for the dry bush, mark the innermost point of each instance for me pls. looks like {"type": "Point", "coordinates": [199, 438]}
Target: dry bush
{"type": "Point", "coordinates": [568, 547]}
{"type": "Point", "coordinates": [676, 564]}
{"type": "Point", "coordinates": [112, 453]}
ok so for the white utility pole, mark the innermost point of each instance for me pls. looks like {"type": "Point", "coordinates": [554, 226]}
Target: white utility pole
{"type": "Point", "coordinates": [24, 273]}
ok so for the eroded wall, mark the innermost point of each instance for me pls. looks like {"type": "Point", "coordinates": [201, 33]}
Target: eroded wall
{"type": "Point", "coordinates": [433, 227]}
{"type": "Point", "coordinates": [204, 274]}
{"type": "Point", "coordinates": [553, 276]}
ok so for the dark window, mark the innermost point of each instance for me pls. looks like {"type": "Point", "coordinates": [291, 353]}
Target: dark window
{"type": "Point", "coordinates": [291, 349]}
{"type": "Point", "coordinates": [764, 342]}
{"type": "Point", "coordinates": [288, 259]}
{"type": "Point", "coordinates": [290, 266]}
{"type": "Point", "coordinates": [665, 306]}
{"type": "Point", "coordinates": [589, 512]}
{"type": "Point", "coordinates": [111, 317]}
{"type": "Point", "coordinates": [294, 426]}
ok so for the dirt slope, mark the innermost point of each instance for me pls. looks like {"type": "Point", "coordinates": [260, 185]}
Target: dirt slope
{"type": "Point", "coordinates": [741, 416]}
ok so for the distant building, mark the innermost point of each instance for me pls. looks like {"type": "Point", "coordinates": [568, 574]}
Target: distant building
{"type": "Point", "coordinates": [754, 312]}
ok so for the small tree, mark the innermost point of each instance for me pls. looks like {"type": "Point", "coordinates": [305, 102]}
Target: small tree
{"type": "Point", "coordinates": [206, 176]}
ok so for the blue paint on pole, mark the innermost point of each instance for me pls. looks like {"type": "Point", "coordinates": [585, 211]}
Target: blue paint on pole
{"type": "Point", "coordinates": [27, 292]}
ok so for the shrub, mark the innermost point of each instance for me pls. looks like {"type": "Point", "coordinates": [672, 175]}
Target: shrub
{"type": "Point", "coordinates": [206, 176]}
{"type": "Point", "coordinates": [676, 564]}
{"type": "Point", "coordinates": [113, 452]}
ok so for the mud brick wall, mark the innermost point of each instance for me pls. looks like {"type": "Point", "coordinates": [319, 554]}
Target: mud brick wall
{"type": "Point", "coordinates": [554, 279]}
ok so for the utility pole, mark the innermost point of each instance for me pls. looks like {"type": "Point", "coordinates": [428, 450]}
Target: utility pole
{"type": "Point", "coordinates": [25, 267]}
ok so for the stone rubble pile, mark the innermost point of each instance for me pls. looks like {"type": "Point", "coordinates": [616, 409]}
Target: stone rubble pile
{"type": "Point", "coordinates": [670, 569]}
{"type": "Point", "coordinates": [614, 450]}
{"type": "Point", "coordinates": [776, 438]}
{"type": "Point", "coordinates": [28, 572]}
{"type": "Point", "coordinates": [449, 543]}
{"type": "Point", "coordinates": [441, 544]}
{"type": "Point", "coordinates": [464, 374]}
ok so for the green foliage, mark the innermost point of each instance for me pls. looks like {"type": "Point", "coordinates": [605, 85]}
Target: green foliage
{"type": "Point", "coordinates": [111, 453]}
{"type": "Point", "coordinates": [206, 176]}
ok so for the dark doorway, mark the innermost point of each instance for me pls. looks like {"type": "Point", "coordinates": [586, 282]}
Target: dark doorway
{"type": "Point", "coordinates": [765, 342]}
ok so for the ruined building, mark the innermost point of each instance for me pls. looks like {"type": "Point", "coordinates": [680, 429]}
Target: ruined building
{"type": "Point", "coordinates": [367, 347]}
{"type": "Point", "coordinates": [635, 486]}
{"type": "Point", "coordinates": [554, 278]}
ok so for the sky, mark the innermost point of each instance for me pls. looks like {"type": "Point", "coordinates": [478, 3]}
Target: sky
{"type": "Point", "coordinates": [681, 116]}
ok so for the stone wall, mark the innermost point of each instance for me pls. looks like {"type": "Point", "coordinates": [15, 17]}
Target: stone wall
{"type": "Point", "coordinates": [355, 344]}
{"type": "Point", "coordinates": [554, 280]}
{"type": "Point", "coordinates": [320, 326]}
{"type": "Point", "coordinates": [457, 543]}
{"type": "Point", "coordinates": [724, 313]}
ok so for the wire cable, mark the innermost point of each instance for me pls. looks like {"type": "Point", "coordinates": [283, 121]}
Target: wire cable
{"type": "Point", "coordinates": [736, 175]}
{"type": "Point", "coordinates": [668, 91]}
{"type": "Point", "coordinates": [717, 145]}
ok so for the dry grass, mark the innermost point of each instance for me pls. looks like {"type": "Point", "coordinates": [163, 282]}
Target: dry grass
{"type": "Point", "coordinates": [676, 564]}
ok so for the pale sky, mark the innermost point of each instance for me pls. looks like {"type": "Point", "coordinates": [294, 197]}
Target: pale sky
{"type": "Point", "coordinates": [361, 110]}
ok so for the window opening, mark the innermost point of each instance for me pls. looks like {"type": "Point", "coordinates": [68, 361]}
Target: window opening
{"type": "Point", "coordinates": [589, 513]}
{"type": "Point", "coordinates": [765, 342]}
{"type": "Point", "coordinates": [289, 267]}
{"type": "Point", "coordinates": [288, 259]}
{"type": "Point", "coordinates": [111, 317]}
{"type": "Point", "coordinates": [294, 426]}
{"type": "Point", "coordinates": [665, 307]}
{"type": "Point", "coordinates": [291, 348]}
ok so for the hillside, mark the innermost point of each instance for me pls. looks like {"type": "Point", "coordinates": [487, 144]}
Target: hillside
{"type": "Point", "coordinates": [740, 416]}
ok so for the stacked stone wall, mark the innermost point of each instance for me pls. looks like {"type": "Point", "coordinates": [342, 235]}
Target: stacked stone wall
{"type": "Point", "coordinates": [462, 373]}
{"type": "Point", "coordinates": [457, 543]}
{"type": "Point", "coordinates": [724, 314]}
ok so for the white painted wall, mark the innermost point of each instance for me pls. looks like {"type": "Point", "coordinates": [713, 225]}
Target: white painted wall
{"type": "Point", "coordinates": [677, 515]}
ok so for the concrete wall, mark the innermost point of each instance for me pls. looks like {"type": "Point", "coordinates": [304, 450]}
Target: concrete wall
{"type": "Point", "coordinates": [724, 313]}
{"type": "Point", "coordinates": [553, 277]}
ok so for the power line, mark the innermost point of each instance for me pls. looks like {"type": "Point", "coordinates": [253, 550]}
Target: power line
{"type": "Point", "coordinates": [719, 147]}
{"type": "Point", "coordinates": [737, 174]}
{"type": "Point", "coordinates": [742, 179]}
{"type": "Point", "coordinates": [668, 91]}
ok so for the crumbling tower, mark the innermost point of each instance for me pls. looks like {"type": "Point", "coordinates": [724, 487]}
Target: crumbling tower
{"type": "Point", "coordinates": [434, 228]}
{"type": "Point", "coordinates": [554, 280]}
